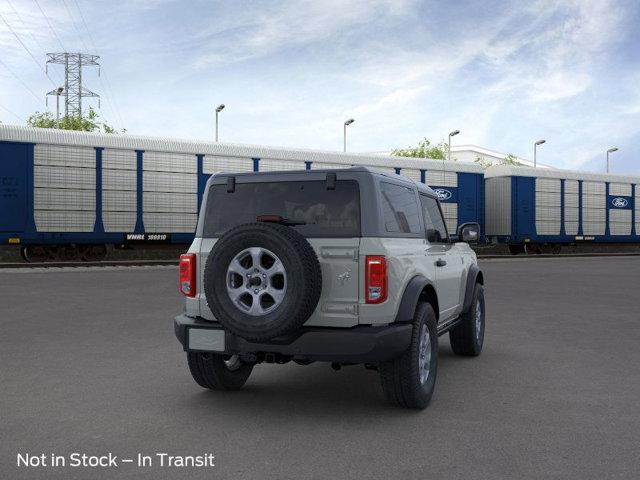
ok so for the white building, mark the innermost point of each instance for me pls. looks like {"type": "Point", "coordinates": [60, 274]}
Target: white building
{"type": "Point", "coordinates": [487, 157]}
{"type": "Point", "coordinates": [471, 153]}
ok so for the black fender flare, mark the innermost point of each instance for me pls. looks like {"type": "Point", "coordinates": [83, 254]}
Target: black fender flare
{"type": "Point", "coordinates": [410, 298]}
{"type": "Point", "coordinates": [473, 276]}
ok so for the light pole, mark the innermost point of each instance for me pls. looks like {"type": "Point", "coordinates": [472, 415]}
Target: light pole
{"type": "Point", "coordinates": [347, 122]}
{"type": "Point", "coordinates": [218, 110]}
{"type": "Point", "coordinates": [611, 150]}
{"type": "Point", "coordinates": [59, 91]}
{"type": "Point", "coordinates": [451, 134]}
{"type": "Point", "coordinates": [535, 152]}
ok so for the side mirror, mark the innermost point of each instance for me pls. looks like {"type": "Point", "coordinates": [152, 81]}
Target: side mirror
{"type": "Point", "coordinates": [469, 233]}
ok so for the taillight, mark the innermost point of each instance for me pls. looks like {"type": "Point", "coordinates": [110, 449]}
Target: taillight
{"type": "Point", "coordinates": [188, 274]}
{"type": "Point", "coordinates": [375, 279]}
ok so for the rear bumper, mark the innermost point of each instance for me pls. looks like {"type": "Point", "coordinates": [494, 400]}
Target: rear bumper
{"type": "Point", "coordinates": [361, 344]}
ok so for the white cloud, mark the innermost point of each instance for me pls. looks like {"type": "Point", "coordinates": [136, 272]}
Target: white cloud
{"type": "Point", "coordinates": [558, 85]}
{"type": "Point", "coordinates": [291, 72]}
{"type": "Point", "coordinates": [261, 31]}
{"type": "Point", "coordinates": [547, 52]}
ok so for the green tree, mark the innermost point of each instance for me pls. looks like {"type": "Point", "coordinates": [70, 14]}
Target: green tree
{"type": "Point", "coordinates": [87, 123]}
{"type": "Point", "coordinates": [510, 159]}
{"type": "Point", "coordinates": [424, 150]}
{"type": "Point", "coordinates": [483, 162]}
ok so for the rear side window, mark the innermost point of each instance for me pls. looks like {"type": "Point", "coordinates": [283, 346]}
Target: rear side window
{"type": "Point", "coordinates": [436, 228]}
{"type": "Point", "coordinates": [320, 212]}
{"type": "Point", "coordinates": [400, 209]}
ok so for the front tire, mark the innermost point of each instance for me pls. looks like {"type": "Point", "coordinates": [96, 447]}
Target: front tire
{"type": "Point", "coordinates": [467, 337]}
{"type": "Point", "coordinates": [218, 372]}
{"type": "Point", "coordinates": [409, 381]}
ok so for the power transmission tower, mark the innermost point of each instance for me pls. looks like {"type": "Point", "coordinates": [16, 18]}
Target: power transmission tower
{"type": "Point", "coordinates": [73, 91]}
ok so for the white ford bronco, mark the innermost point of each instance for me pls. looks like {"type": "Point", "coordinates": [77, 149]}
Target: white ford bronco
{"type": "Point", "coordinates": [344, 266]}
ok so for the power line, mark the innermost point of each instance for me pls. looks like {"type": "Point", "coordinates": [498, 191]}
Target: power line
{"type": "Point", "coordinates": [21, 81]}
{"type": "Point", "coordinates": [84, 23]}
{"type": "Point", "coordinates": [24, 25]}
{"type": "Point", "coordinates": [50, 26]}
{"type": "Point", "coordinates": [75, 27]}
{"type": "Point", "coordinates": [12, 113]}
{"type": "Point", "coordinates": [111, 98]}
{"type": "Point", "coordinates": [27, 49]}
{"type": "Point", "coordinates": [73, 62]}
{"type": "Point", "coordinates": [106, 85]}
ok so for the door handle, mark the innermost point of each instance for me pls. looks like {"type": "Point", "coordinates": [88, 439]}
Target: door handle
{"type": "Point", "coordinates": [440, 262]}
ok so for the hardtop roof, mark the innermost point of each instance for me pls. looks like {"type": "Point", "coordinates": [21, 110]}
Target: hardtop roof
{"type": "Point", "coordinates": [316, 173]}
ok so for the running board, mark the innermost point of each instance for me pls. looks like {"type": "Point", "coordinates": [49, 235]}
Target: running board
{"type": "Point", "coordinates": [448, 325]}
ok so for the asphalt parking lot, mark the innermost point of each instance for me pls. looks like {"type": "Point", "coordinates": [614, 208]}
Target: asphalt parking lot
{"type": "Point", "coordinates": [90, 364]}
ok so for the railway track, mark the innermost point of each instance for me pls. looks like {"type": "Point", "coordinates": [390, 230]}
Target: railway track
{"type": "Point", "coordinates": [560, 255]}
{"type": "Point", "coordinates": [147, 263]}
{"type": "Point", "coordinates": [104, 263]}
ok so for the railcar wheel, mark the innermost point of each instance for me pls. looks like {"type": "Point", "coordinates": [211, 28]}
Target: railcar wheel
{"type": "Point", "coordinates": [68, 253]}
{"type": "Point", "coordinates": [515, 249]}
{"type": "Point", "coordinates": [532, 249]}
{"type": "Point", "coordinates": [93, 253]}
{"type": "Point", "coordinates": [35, 253]}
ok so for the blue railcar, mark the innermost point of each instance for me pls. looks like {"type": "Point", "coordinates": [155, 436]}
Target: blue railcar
{"type": "Point", "coordinates": [533, 210]}
{"type": "Point", "coordinates": [71, 194]}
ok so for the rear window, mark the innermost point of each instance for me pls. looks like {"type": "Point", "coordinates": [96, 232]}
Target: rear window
{"type": "Point", "coordinates": [321, 212]}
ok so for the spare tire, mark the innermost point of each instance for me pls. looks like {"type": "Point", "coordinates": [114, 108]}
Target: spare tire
{"type": "Point", "coordinates": [262, 280]}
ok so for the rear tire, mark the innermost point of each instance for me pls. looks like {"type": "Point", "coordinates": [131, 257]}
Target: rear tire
{"type": "Point", "coordinates": [467, 337]}
{"type": "Point", "coordinates": [218, 372]}
{"type": "Point", "coordinates": [403, 379]}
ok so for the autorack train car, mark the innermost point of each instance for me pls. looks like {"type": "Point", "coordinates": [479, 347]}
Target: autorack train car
{"type": "Point", "coordinates": [69, 195]}
{"type": "Point", "coordinates": [540, 210]}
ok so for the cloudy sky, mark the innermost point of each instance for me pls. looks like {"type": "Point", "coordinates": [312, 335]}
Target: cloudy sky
{"type": "Point", "coordinates": [290, 72]}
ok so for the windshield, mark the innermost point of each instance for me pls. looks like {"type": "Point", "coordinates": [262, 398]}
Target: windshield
{"type": "Point", "coordinates": [308, 207]}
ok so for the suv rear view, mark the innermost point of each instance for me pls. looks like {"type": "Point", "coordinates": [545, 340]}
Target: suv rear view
{"type": "Point", "coordinates": [311, 266]}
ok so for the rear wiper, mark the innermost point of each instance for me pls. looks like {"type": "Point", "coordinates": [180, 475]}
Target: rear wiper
{"type": "Point", "coordinates": [279, 219]}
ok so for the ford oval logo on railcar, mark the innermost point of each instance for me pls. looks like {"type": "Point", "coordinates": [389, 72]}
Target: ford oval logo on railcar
{"type": "Point", "coordinates": [442, 193]}
{"type": "Point", "coordinates": [619, 202]}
